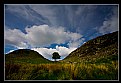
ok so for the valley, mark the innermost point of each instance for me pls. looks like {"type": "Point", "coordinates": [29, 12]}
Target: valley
{"type": "Point", "coordinates": [97, 59]}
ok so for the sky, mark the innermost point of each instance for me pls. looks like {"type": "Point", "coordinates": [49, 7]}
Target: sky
{"type": "Point", "coordinates": [48, 28]}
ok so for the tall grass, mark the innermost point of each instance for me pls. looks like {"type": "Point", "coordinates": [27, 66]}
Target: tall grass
{"type": "Point", "coordinates": [65, 71]}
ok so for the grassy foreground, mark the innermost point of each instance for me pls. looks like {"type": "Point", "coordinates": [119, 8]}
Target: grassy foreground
{"type": "Point", "coordinates": [62, 71]}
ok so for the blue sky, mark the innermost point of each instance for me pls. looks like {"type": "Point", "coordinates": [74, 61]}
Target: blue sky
{"type": "Point", "coordinates": [62, 28]}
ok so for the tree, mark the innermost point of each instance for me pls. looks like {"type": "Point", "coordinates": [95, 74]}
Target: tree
{"type": "Point", "coordinates": [56, 56]}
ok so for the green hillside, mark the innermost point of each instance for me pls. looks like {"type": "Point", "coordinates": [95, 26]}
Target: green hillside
{"type": "Point", "coordinates": [102, 49]}
{"type": "Point", "coordinates": [97, 59]}
{"type": "Point", "coordinates": [25, 56]}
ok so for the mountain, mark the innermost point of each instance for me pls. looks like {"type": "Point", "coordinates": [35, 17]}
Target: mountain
{"type": "Point", "coordinates": [101, 49]}
{"type": "Point", "coordinates": [25, 56]}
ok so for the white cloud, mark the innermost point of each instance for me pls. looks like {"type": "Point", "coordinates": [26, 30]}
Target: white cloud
{"type": "Point", "coordinates": [64, 51]}
{"type": "Point", "coordinates": [47, 52]}
{"type": "Point", "coordinates": [15, 37]}
{"type": "Point", "coordinates": [39, 36]}
{"type": "Point", "coordinates": [110, 24]}
{"type": "Point", "coordinates": [76, 43]}
{"type": "Point", "coordinates": [44, 35]}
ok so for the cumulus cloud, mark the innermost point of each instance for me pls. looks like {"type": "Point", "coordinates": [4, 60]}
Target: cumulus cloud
{"type": "Point", "coordinates": [15, 37]}
{"type": "Point", "coordinates": [110, 24]}
{"type": "Point", "coordinates": [39, 36]}
{"type": "Point", "coordinates": [64, 51]}
{"type": "Point", "coordinates": [47, 52]}
{"type": "Point", "coordinates": [44, 35]}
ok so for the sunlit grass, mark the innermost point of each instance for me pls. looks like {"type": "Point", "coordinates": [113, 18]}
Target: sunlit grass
{"type": "Point", "coordinates": [64, 71]}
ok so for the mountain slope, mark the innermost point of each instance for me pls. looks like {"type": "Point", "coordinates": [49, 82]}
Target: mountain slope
{"type": "Point", "coordinates": [25, 56]}
{"type": "Point", "coordinates": [96, 50]}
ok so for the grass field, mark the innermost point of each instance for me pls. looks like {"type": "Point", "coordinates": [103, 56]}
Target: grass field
{"type": "Point", "coordinates": [62, 71]}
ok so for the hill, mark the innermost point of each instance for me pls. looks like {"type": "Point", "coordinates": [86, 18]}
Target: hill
{"type": "Point", "coordinates": [25, 56]}
{"type": "Point", "coordinates": [97, 59]}
{"type": "Point", "coordinates": [102, 49]}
